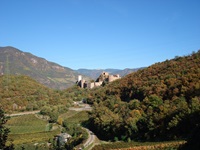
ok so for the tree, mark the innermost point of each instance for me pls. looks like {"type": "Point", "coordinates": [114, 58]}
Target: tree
{"type": "Point", "coordinates": [53, 116]}
{"type": "Point", "coordinates": [4, 132]}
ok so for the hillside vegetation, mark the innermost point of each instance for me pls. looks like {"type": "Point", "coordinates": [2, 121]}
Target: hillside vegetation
{"type": "Point", "coordinates": [161, 102]}
{"type": "Point", "coordinates": [20, 93]}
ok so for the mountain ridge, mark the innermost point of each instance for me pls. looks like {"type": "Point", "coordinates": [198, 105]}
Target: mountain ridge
{"type": "Point", "coordinates": [94, 73]}
{"type": "Point", "coordinates": [16, 62]}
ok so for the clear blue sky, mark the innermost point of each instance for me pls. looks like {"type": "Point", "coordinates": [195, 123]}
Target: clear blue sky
{"type": "Point", "coordinates": [101, 33]}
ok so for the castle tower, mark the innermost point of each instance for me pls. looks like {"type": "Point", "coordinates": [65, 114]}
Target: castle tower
{"type": "Point", "coordinates": [79, 78]}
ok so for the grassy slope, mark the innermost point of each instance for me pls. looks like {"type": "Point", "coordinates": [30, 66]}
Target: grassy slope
{"type": "Point", "coordinates": [78, 117]}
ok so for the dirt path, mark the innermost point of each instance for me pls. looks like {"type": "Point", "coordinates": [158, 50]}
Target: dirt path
{"type": "Point", "coordinates": [86, 107]}
{"type": "Point", "coordinates": [23, 113]}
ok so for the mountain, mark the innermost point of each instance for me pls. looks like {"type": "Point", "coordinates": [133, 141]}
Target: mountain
{"type": "Point", "coordinates": [52, 75]}
{"type": "Point", "coordinates": [94, 73]}
{"type": "Point", "coordinates": [127, 71]}
{"type": "Point", "coordinates": [160, 102]}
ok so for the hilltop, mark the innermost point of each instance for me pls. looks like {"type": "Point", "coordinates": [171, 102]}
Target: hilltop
{"type": "Point", "coordinates": [52, 75]}
{"type": "Point", "coordinates": [168, 80]}
{"type": "Point", "coordinates": [160, 102]}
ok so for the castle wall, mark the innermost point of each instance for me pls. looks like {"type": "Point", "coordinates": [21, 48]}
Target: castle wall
{"type": "Point", "coordinates": [113, 77]}
{"type": "Point", "coordinates": [98, 83]}
{"type": "Point", "coordinates": [82, 83]}
{"type": "Point", "coordinates": [79, 78]}
{"type": "Point", "coordinates": [103, 77]}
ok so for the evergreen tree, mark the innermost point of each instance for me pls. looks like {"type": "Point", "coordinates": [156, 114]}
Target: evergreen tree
{"type": "Point", "coordinates": [4, 132]}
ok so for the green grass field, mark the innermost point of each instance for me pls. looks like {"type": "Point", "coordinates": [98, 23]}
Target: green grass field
{"type": "Point", "coordinates": [68, 114]}
{"type": "Point", "coordinates": [77, 117]}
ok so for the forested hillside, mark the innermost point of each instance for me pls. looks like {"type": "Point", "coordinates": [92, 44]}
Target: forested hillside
{"type": "Point", "coordinates": [20, 93]}
{"type": "Point", "coordinates": [161, 102]}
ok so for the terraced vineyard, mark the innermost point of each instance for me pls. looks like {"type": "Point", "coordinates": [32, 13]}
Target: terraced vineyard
{"type": "Point", "coordinates": [140, 145]}
{"type": "Point", "coordinates": [29, 129]}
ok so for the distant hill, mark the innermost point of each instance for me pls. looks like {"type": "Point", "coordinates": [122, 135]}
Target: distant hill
{"type": "Point", "coordinates": [52, 75]}
{"type": "Point", "coordinates": [94, 73]}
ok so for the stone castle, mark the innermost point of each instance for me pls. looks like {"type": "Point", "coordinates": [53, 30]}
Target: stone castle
{"type": "Point", "coordinates": [105, 77]}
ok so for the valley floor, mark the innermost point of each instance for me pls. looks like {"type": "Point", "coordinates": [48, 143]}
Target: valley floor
{"type": "Point", "coordinates": [27, 130]}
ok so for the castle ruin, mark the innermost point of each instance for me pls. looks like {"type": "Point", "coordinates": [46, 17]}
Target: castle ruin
{"type": "Point", "coordinates": [105, 77]}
